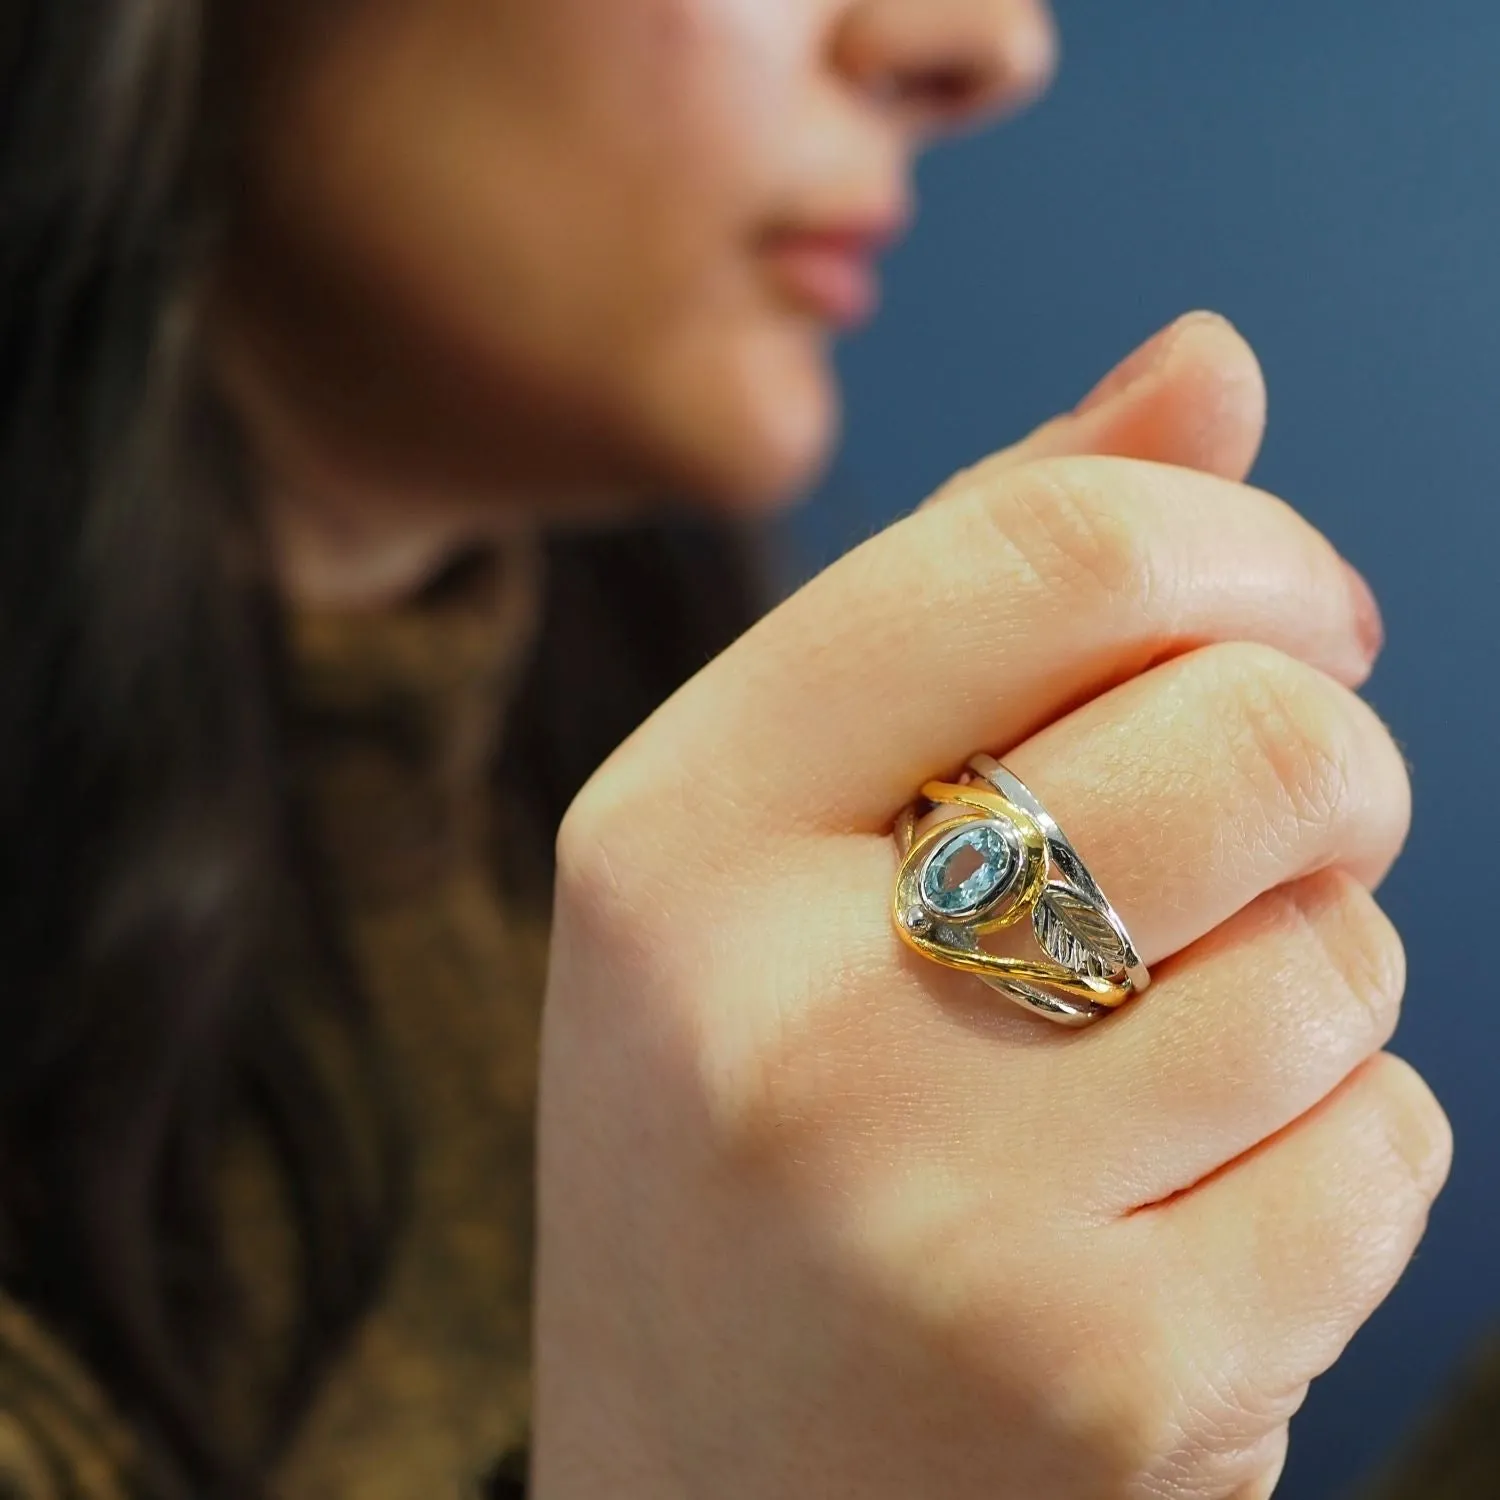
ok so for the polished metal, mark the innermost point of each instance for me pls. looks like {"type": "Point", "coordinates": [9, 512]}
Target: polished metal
{"type": "Point", "coordinates": [1023, 867]}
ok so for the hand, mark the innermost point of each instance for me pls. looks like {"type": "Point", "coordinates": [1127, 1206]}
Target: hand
{"type": "Point", "coordinates": [818, 1218]}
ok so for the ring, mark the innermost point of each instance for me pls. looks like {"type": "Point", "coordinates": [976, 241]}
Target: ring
{"type": "Point", "coordinates": [997, 861]}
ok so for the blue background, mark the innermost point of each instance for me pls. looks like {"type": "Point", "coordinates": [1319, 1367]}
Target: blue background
{"type": "Point", "coordinates": [1327, 173]}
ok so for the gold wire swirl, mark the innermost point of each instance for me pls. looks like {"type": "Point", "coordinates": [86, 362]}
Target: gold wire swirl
{"type": "Point", "coordinates": [983, 804]}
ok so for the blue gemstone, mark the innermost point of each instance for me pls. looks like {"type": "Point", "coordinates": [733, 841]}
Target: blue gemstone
{"type": "Point", "coordinates": [968, 872]}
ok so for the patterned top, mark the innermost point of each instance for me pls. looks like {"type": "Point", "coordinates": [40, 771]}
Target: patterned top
{"type": "Point", "coordinates": [431, 1399]}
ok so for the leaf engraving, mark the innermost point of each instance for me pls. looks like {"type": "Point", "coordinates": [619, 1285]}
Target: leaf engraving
{"type": "Point", "coordinates": [1076, 934]}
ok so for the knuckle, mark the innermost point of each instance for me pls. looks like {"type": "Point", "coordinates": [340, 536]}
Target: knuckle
{"type": "Point", "coordinates": [1292, 735]}
{"type": "Point", "coordinates": [1212, 1458]}
{"type": "Point", "coordinates": [582, 836]}
{"type": "Point", "coordinates": [1112, 1394]}
{"type": "Point", "coordinates": [1256, 1473]}
{"type": "Point", "coordinates": [1069, 529]}
{"type": "Point", "coordinates": [1366, 1207]}
{"type": "Point", "coordinates": [1224, 1426]}
{"type": "Point", "coordinates": [1239, 1414]}
{"type": "Point", "coordinates": [1416, 1130]}
{"type": "Point", "coordinates": [603, 882]}
{"type": "Point", "coordinates": [1360, 946]}
{"type": "Point", "coordinates": [755, 1071]}
{"type": "Point", "coordinates": [1128, 1379]}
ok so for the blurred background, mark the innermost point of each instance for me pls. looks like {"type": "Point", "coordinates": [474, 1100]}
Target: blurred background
{"type": "Point", "coordinates": [1326, 173]}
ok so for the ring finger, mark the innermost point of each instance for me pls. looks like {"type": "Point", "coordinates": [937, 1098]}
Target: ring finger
{"type": "Point", "coordinates": [1213, 778]}
{"type": "Point", "coordinates": [1191, 792]}
{"type": "Point", "coordinates": [1234, 778]}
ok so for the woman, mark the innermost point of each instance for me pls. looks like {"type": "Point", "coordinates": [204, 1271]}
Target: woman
{"type": "Point", "coordinates": [347, 348]}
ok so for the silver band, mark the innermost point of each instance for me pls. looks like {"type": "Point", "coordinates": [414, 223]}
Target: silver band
{"type": "Point", "coordinates": [1066, 858]}
{"type": "Point", "coordinates": [1029, 869]}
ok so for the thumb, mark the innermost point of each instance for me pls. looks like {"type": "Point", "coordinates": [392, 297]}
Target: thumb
{"type": "Point", "coordinates": [1192, 396]}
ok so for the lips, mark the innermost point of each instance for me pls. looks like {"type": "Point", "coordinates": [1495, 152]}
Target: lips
{"type": "Point", "coordinates": [832, 271]}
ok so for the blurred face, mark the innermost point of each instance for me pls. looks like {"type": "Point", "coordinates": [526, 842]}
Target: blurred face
{"type": "Point", "coordinates": [588, 248]}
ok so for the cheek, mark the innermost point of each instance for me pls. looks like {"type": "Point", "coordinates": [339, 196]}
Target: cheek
{"type": "Point", "coordinates": [722, 74]}
{"type": "Point", "coordinates": [559, 199]}
{"type": "Point", "coordinates": [697, 105]}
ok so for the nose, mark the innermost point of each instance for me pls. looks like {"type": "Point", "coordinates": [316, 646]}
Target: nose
{"type": "Point", "coordinates": [945, 64]}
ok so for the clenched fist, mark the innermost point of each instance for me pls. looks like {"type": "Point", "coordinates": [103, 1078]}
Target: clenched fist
{"type": "Point", "coordinates": [821, 1219]}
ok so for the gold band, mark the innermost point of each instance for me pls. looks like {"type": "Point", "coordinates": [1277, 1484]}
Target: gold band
{"type": "Point", "coordinates": [1069, 923]}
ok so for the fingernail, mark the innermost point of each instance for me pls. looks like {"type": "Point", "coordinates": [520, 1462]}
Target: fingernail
{"type": "Point", "coordinates": [1369, 627]}
{"type": "Point", "coordinates": [1148, 361]}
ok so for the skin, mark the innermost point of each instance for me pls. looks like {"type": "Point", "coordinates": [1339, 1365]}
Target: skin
{"type": "Point", "coordinates": [818, 1218]}
{"type": "Point", "coordinates": [420, 356]}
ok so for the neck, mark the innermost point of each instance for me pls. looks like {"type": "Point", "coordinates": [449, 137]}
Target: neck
{"type": "Point", "coordinates": [356, 520]}
{"type": "Point", "coordinates": [336, 551]}
{"type": "Point", "coordinates": [352, 530]}
{"type": "Point", "coordinates": [346, 534]}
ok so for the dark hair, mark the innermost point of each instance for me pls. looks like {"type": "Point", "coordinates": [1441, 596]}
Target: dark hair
{"type": "Point", "coordinates": [156, 874]}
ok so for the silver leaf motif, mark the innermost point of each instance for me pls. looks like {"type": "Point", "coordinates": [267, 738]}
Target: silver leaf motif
{"type": "Point", "coordinates": [1076, 934]}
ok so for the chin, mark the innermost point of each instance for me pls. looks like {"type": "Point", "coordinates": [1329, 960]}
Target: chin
{"type": "Point", "coordinates": [766, 439]}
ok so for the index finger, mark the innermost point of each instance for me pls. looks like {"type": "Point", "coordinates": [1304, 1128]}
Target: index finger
{"type": "Point", "coordinates": [973, 624]}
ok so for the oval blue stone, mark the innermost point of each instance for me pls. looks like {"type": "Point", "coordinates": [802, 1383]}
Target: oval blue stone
{"type": "Point", "coordinates": [967, 872]}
